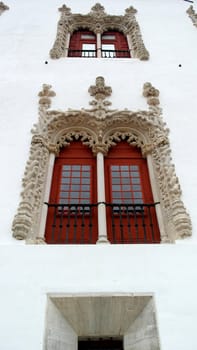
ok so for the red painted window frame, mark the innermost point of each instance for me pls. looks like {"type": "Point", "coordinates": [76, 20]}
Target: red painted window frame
{"type": "Point", "coordinates": [75, 154]}
{"type": "Point", "coordinates": [124, 154]}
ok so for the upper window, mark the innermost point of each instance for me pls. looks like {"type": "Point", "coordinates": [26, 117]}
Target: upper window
{"type": "Point", "coordinates": [98, 34]}
{"type": "Point", "coordinates": [87, 44]}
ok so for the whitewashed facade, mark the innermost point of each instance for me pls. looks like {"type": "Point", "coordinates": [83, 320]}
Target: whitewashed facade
{"type": "Point", "coordinates": [31, 274]}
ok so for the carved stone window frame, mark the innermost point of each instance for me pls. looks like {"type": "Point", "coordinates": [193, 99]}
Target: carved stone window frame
{"type": "Point", "coordinates": [100, 128]}
{"type": "Point", "coordinates": [98, 21]}
{"type": "Point", "coordinates": [193, 15]}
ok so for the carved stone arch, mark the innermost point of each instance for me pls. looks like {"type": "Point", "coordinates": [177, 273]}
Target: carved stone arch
{"type": "Point", "coordinates": [98, 21]}
{"type": "Point", "coordinates": [100, 128]}
{"type": "Point", "coordinates": [65, 136]}
{"type": "Point", "coordinates": [131, 135]}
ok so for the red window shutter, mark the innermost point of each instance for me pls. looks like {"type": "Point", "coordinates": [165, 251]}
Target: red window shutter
{"type": "Point", "coordinates": [127, 182]}
{"type": "Point", "coordinates": [73, 190]}
{"type": "Point", "coordinates": [119, 41]}
{"type": "Point", "coordinates": [77, 40]}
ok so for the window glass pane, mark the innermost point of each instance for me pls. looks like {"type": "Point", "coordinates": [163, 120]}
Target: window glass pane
{"type": "Point", "coordinates": [75, 167]}
{"type": "Point", "coordinates": [124, 173]}
{"type": "Point", "coordinates": [85, 181]}
{"type": "Point", "coordinates": [64, 187]}
{"type": "Point", "coordinates": [135, 174]}
{"type": "Point", "coordinates": [115, 174]}
{"type": "Point", "coordinates": [74, 195]}
{"type": "Point", "coordinates": [66, 167]}
{"type": "Point", "coordinates": [65, 173]}
{"type": "Point", "coordinates": [63, 194]}
{"type": "Point", "coordinates": [126, 187]}
{"type": "Point", "coordinates": [134, 167]}
{"type": "Point", "coordinates": [136, 188]}
{"type": "Point", "coordinates": [65, 180]}
{"type": "Point", "coordinates": [86, 167]}
{"type": "Point", "coordinates": [135, 180]}
{"type": "Point", "coordinates": [75, 187]}
{"type": "Point", "coordinates": [116, 194]}
{"type": "Point", "coordinates": [116, 181]}
{"type": "Point", "coordinates": [85, 195]}
{"type": "Point", "coordinates": [126, 195]}
{"type": "Point", "coordinates": [108, 47]}
{"type": "Point", "coordinates": [88, 36]}
{"type": "Point", "coordinates": [76, 174]}
{"type": "Point", "coordinates": [124, 167]}
{"type": "Point", "coordinates": [115, 167]}
{"type": "Point", "coordinates": [76, 180]}
{"type": "Point", "coordinates": [88, 50]}
{"type": "Point", "coordinates": [125, 180]}
{"type": "Point", "coordinates": [116, 188]}
{"type": "Point", "coordinates": [108, 37]}
{"type": "Point", "coordinates": [85, 188]}
{"type": "Point", "coordinates": [137, 194]}
{"type": "Point", "coordinates": [85, 174]}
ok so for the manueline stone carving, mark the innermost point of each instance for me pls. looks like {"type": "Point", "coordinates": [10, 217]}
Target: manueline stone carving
{"type": "Point", "coordinates": [3, 7]}
{"type": "Point", "coordinates": [193, 15]}
{"type": "Point", "coordinates": [98, 21]}
{"type": "Point", "coordinates": [101, 128]}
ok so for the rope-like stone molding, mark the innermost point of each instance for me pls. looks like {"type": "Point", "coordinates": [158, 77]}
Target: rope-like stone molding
{"type": "Point", "coordinates": [98, 21]}
{"type": "Point", "coordinates": [100, 128]}
{"type": "Point", "coordinates": [3, 7]}
{"type": "Point", "coordinates": [193, 15]}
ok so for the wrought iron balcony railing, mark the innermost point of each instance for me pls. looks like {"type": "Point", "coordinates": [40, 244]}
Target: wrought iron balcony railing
{"type": "Point", "coordinates": [104, 53]}
{"type": "Point", "coordinates": [78, 223]}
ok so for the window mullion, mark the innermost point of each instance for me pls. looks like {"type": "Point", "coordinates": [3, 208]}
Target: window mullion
{"type": "Point", "coordinates": [102, 224]}
{"type": "Point", "coordinates": [98, 44]}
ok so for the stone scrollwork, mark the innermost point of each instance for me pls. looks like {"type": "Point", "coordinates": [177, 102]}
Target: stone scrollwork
{"type": "Point", "coordinates": [193, 15]}
{"type": "Point", "coordinates": [144, 129]}
{"type": "Point", "coordinates": [98, 21]}
{"type": "Point", "coordinates": [3, 7]}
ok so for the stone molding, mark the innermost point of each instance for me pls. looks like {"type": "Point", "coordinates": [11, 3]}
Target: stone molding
{"type": "Point", "coordinates": [193, 15]}
{"type": "Point", "coordinates": [101, 128]}
{"type": "Point", "coordinates": [3, 7]}
{"type": "Point", "coordinates": [98, 21]}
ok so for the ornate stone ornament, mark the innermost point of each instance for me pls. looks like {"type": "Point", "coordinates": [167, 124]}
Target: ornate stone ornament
{"type": "Point", "coordinates": [98, 21]}
{"type": "Point", "coordinates": [3, 7]}
{"type": "Point", "coordinates": [100, 128]}
{"type": "Point", "coordinates": [193, 15]}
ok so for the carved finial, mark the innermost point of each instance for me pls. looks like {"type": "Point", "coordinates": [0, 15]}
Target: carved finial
{"type": "Point", "coordinates": [130, 11]}
{"type": "Point", "coordinates": [98, 10]}
{"type": "Point", "coordinates": [65, 9]}
{"type": "Point", "coordinates": [151, 93]}
{"type": "Point", "coordinates": [45, 95]}
{"type": "Point", "coordinates": [100, 91]}
{"type": "Point", "coordinates": [3, 7]}
{"type": "Point", "coordinates": [192, 14]}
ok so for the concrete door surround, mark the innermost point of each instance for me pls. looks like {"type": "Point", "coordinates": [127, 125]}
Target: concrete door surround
{"type": "Point", "coordinates": [127, 316]}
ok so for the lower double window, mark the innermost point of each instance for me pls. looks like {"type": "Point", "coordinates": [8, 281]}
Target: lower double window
{"type": "Point", "coordinates": [127, 203]}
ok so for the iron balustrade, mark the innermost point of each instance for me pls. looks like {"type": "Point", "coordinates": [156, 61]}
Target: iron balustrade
{"type": "Point", "coordinates": [82, 53]}
{"type": "Point", "coordinates": [126, 223]}
{"type": "Point", "coordinates": [104, 53]}
{"type": "Point", "coordinates": [115, 53]}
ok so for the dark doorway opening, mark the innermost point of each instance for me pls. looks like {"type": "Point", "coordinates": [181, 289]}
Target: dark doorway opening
{"type": "Point", "coordinates": [100, 344]}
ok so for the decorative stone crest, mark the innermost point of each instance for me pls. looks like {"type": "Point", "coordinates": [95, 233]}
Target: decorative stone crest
{"type": "Point", "coordinates": [193, 15]}
{"type": "Point", "coordinates": [98, 21]}
{"type": "Point", "coordinates": [3, 7]}
{"type": "Point", "coordinates": [101, 128]}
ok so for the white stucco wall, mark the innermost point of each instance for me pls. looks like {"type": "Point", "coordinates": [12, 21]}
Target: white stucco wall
{"type": "Point", "coordinates": [28, 273]}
